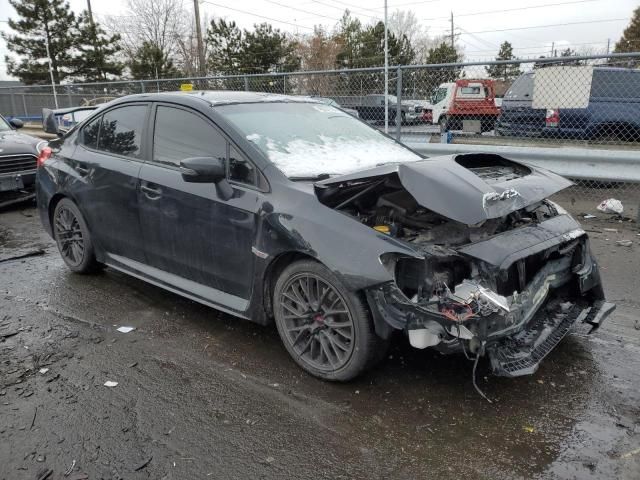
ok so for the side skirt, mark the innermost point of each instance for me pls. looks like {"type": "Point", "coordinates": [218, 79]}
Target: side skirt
{"type": "Point", "coordinates": [197, 292]}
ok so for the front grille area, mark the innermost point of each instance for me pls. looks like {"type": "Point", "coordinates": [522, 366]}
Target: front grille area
{"type": "Point", "coordinates": [17, 163]}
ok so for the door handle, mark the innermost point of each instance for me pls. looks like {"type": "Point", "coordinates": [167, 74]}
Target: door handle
{"type": "Point", "coordinates": [151, 193]}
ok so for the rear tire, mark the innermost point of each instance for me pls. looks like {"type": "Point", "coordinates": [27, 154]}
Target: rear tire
{"type": "Point", "coordinates": [73, 238]}
{"type": "Point", "coordinates": [326, 328]}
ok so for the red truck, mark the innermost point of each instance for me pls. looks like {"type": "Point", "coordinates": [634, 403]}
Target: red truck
{"type": "Point", "coordinates": [466, 104]}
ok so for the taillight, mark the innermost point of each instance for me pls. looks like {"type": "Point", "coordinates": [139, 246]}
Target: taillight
{"type": "Point", "coordinates": [553, 117]}
{"type": "Point", "coordinates": [45, 154]}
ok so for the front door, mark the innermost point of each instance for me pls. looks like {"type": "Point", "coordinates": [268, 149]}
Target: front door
{"type": "Point", "coordinates": [198, 240]}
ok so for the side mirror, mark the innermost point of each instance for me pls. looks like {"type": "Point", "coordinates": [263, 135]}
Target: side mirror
{"type": "Point", "coordinates": [49, 121]}
{"type": "Point", "coordinates": [16, 123]}
{"type": "Point", "coordinates": [203, 170]}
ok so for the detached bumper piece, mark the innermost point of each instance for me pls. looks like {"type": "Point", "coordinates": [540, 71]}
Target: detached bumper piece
{"type": "Point", "coordinates": [522, 353]}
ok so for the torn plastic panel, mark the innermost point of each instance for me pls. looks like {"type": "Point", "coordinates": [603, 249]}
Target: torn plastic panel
{"type": "Point", "coordinates": [470, 315]}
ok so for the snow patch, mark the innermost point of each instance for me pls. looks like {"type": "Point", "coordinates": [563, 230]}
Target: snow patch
{"type": "Point", "coordinates": [333, 155]}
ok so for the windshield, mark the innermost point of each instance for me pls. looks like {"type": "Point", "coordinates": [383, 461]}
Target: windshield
{"type": "Point", "coordinates": [312, 139]}
{"type": "Point", "coordinates": [522, 88]}
{"type": "Point", "coordinates": [4, 125]}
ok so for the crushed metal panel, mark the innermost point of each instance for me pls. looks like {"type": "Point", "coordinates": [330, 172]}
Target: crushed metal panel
{"type": "Point", "coordinates": [562, 87]}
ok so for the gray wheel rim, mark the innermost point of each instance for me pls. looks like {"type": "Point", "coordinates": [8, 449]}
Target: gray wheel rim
{"type": "Point", "coordinates": [316, 322]}
{"type": "Point", "coordinates": [69, 237]}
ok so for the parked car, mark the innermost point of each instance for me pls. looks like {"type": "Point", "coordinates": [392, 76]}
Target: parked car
{"type": "Point", "coordinates": [18, 154]}
{"type": "Point", "coordinates": [272, 209]}
{"type": "Point", "coordinates": [612, 113]}
{"type": "Point", "coordinates": [333, 103]}
{"type": "Point", "coordinates": [371, 109]}
{"type": "Point", "coordinates": [465, 101]}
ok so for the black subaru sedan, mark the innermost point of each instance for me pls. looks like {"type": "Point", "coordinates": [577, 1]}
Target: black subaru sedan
{"type": "Point", "coordinates": [280, 208]}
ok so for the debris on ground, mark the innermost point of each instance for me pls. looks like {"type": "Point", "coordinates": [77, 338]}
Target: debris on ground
{"type": "Point", "coordinates": [125, 329]}
{"type": "Point", "coordinates": [70, 469]}
{"type": "Point", "coordinates": [611, 205]}
{"type": "Point", "coordinates": [43, 370]}
{"type": "Point", "coordinates": [624, 243]}
{"type": "Point", "coordinates": [613, 230]}
{"type": "Point", "coordinates": [528, 429]}
{"type": "Point", "coordinates": [109, 383]}
{"type": "Point", "coordinates": [587, 216]}
{"type": "Point", "coordinates": [137, 469]}
{"type": "Point", "coordinates": [21, 255]}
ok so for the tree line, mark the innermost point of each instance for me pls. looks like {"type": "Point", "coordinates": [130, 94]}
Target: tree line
{"type": "Point", "coordinates": [157, 39]}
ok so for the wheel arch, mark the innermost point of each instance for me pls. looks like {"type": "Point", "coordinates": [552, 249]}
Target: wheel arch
{"type": "Point", "coordinates": [273, 271]}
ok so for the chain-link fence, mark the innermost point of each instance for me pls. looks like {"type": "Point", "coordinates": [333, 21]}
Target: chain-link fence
{"type": "Point", "coordinates": [590, 102]}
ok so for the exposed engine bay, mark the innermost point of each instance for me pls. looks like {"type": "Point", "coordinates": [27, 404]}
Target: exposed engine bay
{"type": "Point", "coordinates": [523, 267]}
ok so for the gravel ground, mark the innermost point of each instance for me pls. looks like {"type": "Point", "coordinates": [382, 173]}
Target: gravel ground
{"type": "Point", "coordinates": [203, 395]}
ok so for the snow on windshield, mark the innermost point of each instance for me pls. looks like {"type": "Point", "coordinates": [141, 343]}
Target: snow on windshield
{"type": "Point", "coordinates": [332, 155]}
{"type": "Point", "coordinates": [310, 139]}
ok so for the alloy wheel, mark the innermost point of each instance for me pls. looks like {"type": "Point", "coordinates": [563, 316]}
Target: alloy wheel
{"type": "Point", "coordinates": [316, 322]}
{"type": "Point", "coordinates": [69, 236]}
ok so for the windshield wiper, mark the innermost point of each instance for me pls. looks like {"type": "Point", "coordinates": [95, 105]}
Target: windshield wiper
{"type": "Point", "coordinates": [311, 178]}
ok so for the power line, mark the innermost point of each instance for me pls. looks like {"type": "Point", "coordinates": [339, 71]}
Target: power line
{"type": "Point", "coordinates": [549, 26]}
{"type": "Point", "coordinates": [486, 12]}
{"type": "Point", "coordinates": [303, 11]}
{"type": "Point", "coordinates": [257, 15]}
{"type": "Point", "coordinates": [342, 9]}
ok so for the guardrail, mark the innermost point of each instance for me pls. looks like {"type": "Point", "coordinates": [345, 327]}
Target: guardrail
{"type": "Point", "coordinates": [580, 164]}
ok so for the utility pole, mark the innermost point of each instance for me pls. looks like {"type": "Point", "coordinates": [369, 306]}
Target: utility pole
{"type": "Point", "coordinates": [553, 44]}
{"type": "Point", "coordinates": [90, 13]}
{"type": "Point", "coordinates": [196, 9]}
{"type": "Point", "coordinates": [608, 45]}
{"type": "Point", "coordinates": [53, 81]}
{"type": "Point", "coordinates": [386, 73]}
{"type": "Point", "coordinates": [452, 34]}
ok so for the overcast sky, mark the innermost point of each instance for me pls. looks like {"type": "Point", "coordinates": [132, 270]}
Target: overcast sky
{"type": "Point", "coordinates": [530, 25]}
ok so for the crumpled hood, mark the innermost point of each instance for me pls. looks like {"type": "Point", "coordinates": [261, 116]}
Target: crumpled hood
{"type": "Point", "coordinates": [468, 188]}
{"type": "Point", "coordinates": [14, 143]}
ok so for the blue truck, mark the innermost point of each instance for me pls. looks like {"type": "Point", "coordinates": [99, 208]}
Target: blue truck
{"type": "Point", "coordinates": [612, 112]}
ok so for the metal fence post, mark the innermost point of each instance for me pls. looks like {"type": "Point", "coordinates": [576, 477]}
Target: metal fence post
{"type": "Point", "coordinates": [399, 104]}
{"type": "Point", "coordinates": [246, 83]}
{"type": "Point", "coordinates": [141, 86]}
{"type": "Point", "coordinates": [68, 89]}
{"type": "Point", "coordinates": [24, 105]}
{"type": "Point", "coordinates": [14, 110]}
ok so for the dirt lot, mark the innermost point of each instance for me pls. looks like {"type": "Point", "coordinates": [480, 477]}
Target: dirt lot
{"type": "Point", "coordinates": [203, 395]}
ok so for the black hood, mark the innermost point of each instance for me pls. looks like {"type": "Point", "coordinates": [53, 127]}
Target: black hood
{"type": "Point", "coordinates": [14, 143]}
{"type": "Point", "coordinates": [467, 188]}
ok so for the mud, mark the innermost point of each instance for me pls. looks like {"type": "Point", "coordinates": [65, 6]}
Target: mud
{"type": "Point", "coordinates": [203, 395]}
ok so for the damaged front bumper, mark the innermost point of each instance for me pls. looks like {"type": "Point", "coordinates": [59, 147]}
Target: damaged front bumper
{"type": "Point", "coordinates": [516, 332]}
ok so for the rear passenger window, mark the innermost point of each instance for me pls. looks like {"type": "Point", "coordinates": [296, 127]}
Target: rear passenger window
{"type": "Point", "coordinates": [180, 134]}
{"type": "Point", "coordinates": [89, 134]}
{"type": "Point", "coordinates": [121, 130]}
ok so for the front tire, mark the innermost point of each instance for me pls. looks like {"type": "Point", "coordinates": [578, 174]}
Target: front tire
{"type": "Point", "coordinates": [73, 238]}
{"type": "Point", "coordinates": [326, 328]}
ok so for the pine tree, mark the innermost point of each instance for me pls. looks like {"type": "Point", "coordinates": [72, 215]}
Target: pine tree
{"type": "Point", "coordinates": [225, 43]}
{"type": "Point", "coordinates": [506, 71]}
{"type": "Point", "coordinates": [630, 40]}
{"type": "Point", "coordinates": [42, 21]}
{"type": "Point", "coordinates": [149, 61]}
{"type": "Point", "coordinates": [444, 53]}
{"type": "Point", "coordinates": [97, 52]}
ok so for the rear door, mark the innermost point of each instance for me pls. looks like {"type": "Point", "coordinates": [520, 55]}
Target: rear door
{"type": "Point", "coordinates": [105, 165]}
{"type": "Point", "coordinates": [199, 241]}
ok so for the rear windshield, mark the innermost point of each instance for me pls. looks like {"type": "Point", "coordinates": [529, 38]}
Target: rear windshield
{"type": "Point", "coordinates": [313, 139]}
{"type": "Point", "coordinates": [522, 88]}
{"type": "Point", "coordinates": [616, 84]}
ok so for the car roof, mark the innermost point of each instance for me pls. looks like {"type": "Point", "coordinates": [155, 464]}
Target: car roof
{"type": "Point", "coordinates": [220, 97]}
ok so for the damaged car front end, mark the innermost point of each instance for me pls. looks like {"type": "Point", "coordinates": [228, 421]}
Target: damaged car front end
{"type": "Point", "coordinates": [497, 268]}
